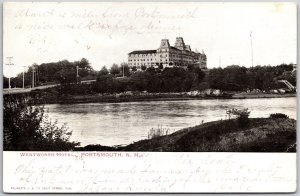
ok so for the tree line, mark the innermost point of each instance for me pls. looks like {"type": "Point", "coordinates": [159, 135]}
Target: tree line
{"type": "Point", "coordinates": [160, 79]}
{"type": "Point", "coordinates": [152, 80]}
{"type": "Point", "coordinates": [54, 72]}
{"type": "Point", "coordinates": [236, 78]}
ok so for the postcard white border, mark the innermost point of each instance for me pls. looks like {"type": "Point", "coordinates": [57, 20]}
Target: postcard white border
{"type": "Point", "coordinates": [145, 172]}
{"type": "Point", "coordinates": [12, 157]}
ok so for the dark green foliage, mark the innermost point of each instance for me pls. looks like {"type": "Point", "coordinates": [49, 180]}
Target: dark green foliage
{"type": "Point", "coordinates": [110, 84]}
{"type": "Point", "coordinates": [75, 89]}
{"type": "Point", "coordinates": [242, 116]}
{"type": "Point", "coordinates": [103, 71]}
{"type": "Point", "coordinates": [152, 80]}
{"type": "Point", "coordinates": [236, 78]}
{"type": "Point", "coordinates": [277, 142]}
{"type": "Point", "coordinates": [124, 67]}
{"type": "Point", "coordinates": [143, 67]}
{"type": "Point", "coordinates": [115, 69]}
{"type": "Point", "coordinates": [134, 69]}
{"type": "Point", "coordinates": [278, 115]}
{"type": "Point", "coordinates": [243, 120]}
{"type": "Point", "coordinates": [206, 135]}
{"type": "Point", "coordinates": [55, 72]}
{"type": "Point", "coordinates": [27, 127]}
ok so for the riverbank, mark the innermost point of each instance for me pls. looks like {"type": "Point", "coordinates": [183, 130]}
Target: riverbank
{"type": "Point", "coordinates": [261, 95]}
{"type": "Point", "coordinates": [53, 97]}
{"type": "Point", "coordinates": [260, 135]}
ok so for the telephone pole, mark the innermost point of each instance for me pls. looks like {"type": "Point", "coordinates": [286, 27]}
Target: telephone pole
{"type": "Point", "coordinates": [33, 71]}
{"type": "Point", "coordinates": [77, 74]}
{"type": "Point", "coordinates": [9, 63]}
{"type": "Point", "coordinates": [251, 48]}
{"type": "Point", "coordinates": [23, 78]}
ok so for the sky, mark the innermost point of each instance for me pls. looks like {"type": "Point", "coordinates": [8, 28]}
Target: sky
{"type": "Point", "coordinates": [104, 33]}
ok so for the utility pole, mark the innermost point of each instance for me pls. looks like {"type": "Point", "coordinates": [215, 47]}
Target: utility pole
{"type": "Point", "coordinates": [77, 74]}
{"type": "Point", "coordinates": [9, 63]}
{"type": "Point", "coordinates": [23, 78]}
{"type": "Point", "coordinates": [123, 70]}
{"type": "Point", "coordinates": [33, 77]}
{"type": "Point", "coordinates": [251, 48]}
{"type": "Point", "coordinates": [37, 78]}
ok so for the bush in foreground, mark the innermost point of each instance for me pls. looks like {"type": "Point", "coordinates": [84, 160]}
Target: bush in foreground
{"type": "Point", "coordinates": [157, 132]}
{"type": "Point", "coordinates": [27, 127]}
{"type": "Point", "coordinates": [242, 116]}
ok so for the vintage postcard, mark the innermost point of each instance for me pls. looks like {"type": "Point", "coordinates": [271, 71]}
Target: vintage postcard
{"type": "Point", "coordinates": [152, 97]}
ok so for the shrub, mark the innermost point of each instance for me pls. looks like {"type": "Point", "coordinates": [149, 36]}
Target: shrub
{"type": "Point", "coordinates": [26, 127]}
{"type": "Point", "coordinates": [243, 120]}
{"type": "Point", "coordinates": [241, 115]}
{"type": "Point", "coordinates": [157, 132]}
{"type": "Point", "coordinates": [278, 115]}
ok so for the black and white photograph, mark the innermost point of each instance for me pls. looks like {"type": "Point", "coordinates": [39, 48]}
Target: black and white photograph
{"type": "Point", "coordinates": [149, 77]}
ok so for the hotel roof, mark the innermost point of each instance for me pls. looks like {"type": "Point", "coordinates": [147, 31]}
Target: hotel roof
{"type": "Point", "coordinates": [142, 51]}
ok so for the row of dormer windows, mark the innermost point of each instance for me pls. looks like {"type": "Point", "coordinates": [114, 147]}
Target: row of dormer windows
{"type": "Point", "coordinates": [142, 55]}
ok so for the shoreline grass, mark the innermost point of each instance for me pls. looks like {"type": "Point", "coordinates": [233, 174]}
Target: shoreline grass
{"type": "Point", "coordinates": [260, 135]}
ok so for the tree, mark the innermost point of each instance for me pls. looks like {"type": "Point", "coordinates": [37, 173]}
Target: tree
{"type": "Point", "coordinates": [134, 69]}
{"type": "Point", "coordinates": [103, 71]}
{"type": "Point", "coordinates": [84, 68]}
{"type": "Point", "coordinates": [104, 84]}
{"type": "Point", "coordinates": [143, 67]}
{"type": "Point", "coordinates": [139, 81]}
{"type": "Point", "coordinates": [5, 82]}
{"type": "Point", "coordinates": [66, 75]}
{"type": "Point", "coordinates": [27, 127]}
{"type": "Point", "coordinates": [191, 67]}
{"type": "Point", "coordinates": [55, 72]}
{"type": "Point", "coordinates": [200, 73]}
{"type": "Point", "coordinates": [160, 67]}
{"type": "Point", "coordinates": [115, 69]}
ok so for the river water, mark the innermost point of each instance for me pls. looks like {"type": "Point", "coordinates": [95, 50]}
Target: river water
{"type": "Point", "coordinates": [123, 123]}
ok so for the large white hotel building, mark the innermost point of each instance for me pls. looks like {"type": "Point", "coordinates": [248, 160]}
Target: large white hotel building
{"type": "Point", "coordinates": [168, 56]}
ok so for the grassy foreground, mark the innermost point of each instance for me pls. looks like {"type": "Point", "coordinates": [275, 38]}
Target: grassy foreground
{"type": "Point", "coordinates": [260, 135]}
